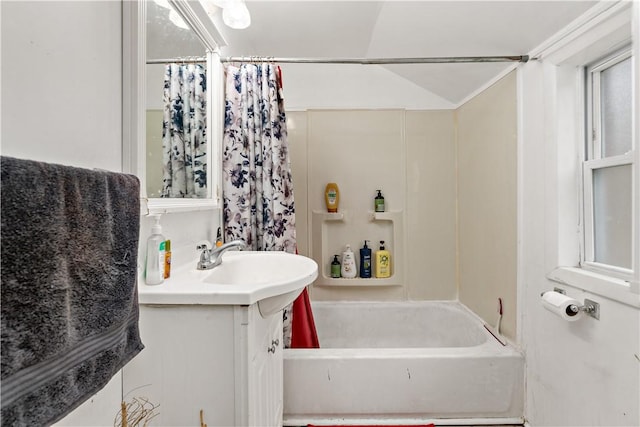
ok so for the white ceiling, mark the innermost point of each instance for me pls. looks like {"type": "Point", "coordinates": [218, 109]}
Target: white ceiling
{"type": "Point", "coordinates": [380, 29]}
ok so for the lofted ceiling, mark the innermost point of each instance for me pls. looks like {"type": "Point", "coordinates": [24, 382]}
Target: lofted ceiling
{"type": "Point", "coordinates": [387, 29]}
{"type": "Point", "coordinates": [381, 29]}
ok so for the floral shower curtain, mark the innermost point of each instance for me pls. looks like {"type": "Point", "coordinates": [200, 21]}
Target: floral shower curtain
{"type": "Point", "coordinates": [184, 144]}
{"type": "Point", "coordinates": [257, 184]}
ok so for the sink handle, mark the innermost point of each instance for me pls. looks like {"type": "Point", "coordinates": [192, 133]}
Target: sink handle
{"type": "Point", "coordinates": [202, 245]}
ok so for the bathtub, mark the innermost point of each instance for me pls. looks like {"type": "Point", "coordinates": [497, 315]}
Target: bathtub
{"type": "Point", "coordinates": [402, 362]}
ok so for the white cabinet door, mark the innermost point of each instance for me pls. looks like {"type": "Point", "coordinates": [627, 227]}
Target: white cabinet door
{"type": "Point", "coordinates": [224, 360]}
{"type": "Point", "coordinates": [265, 371]}
{"type": "Point", "coordinates": [186, 365]}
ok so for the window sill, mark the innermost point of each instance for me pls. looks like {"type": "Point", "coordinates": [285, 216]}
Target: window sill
{"type": "Point", "coordinates": [596, 283]}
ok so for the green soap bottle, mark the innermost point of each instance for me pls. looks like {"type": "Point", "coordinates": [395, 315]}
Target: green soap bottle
{"type": "Point", "coordinates": [335, 268]}
{"type": "Point", "coordinates": [379, 202]}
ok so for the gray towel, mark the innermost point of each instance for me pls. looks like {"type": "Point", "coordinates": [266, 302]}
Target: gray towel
{"type": "Point", "coordinates": [69, 295]}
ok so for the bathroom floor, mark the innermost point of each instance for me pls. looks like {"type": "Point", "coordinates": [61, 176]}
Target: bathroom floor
{"type": "Point", "coordinates": [484, 425]}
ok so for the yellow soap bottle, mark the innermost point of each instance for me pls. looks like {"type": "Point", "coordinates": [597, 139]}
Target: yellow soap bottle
{"type": "Point", "coordinates": [332, 197]}
{"type": "Point", "coordinates": [383, 262]}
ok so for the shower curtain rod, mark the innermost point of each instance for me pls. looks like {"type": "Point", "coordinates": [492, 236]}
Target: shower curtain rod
{"type": "Point", "coordinates": [185, 60]}
{"type": "Point", "coordinates": [362, 61]}
{"type": "Point", "coordinates": [379, 61]}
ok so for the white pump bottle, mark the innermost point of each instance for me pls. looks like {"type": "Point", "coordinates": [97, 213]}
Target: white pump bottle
{"type": "Point", "coordinates": [154, 271]}
{"type": "Point", "coordinates": [348, 269]}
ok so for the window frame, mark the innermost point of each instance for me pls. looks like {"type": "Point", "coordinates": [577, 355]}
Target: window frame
{"type": "Point", "coordinates": [591, 159]}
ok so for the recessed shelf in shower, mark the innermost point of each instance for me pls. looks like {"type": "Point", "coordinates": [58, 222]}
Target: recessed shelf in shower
{"type": "Point", "coordinates": [357, 225]}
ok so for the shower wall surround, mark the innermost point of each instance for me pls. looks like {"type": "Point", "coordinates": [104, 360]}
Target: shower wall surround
{"type": "Point", "coordinates": [452, 174]}
{"type": "Point", "coordinates": [410, 156]}
{"type": "Point", "coordinates": [487, 232]}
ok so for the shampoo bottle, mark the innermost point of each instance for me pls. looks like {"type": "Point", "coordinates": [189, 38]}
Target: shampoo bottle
{"type": "Point", "coordinates": [383, 262]}
{"type": "Point", "coordinates": [332, 197]}
{"type": "Point", "coordinates": [335, 268]}
{"type": "Point", "coordinates": [349, 269]}
{"type": "Point", "coordinates": [365, 261]}
{"type": "Point", "coordinates": [154, 271]}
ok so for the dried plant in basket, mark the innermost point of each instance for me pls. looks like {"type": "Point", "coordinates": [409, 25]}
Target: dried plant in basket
{"type": "Point", "coordinates": [136, 413]}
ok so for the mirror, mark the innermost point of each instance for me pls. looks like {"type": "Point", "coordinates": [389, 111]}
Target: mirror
{"type": "Point", "coordinates": [155, 33]}
{"type": "Point", "coordinates": [176, 98]}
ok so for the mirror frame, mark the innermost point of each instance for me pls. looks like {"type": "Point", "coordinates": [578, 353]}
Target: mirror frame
{"type": "Point", "coordinates": [134, 49]}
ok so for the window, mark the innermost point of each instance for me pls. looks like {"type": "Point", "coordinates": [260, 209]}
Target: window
{"type": "Point", "coordinates": [607, 168]}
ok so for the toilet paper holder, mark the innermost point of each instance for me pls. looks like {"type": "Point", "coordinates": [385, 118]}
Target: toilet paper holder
{"type": "Point", "coordinates": [590, 307]}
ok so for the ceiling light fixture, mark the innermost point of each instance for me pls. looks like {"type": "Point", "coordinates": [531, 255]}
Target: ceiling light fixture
{"type": "Point", "coordinates": [236, 15]}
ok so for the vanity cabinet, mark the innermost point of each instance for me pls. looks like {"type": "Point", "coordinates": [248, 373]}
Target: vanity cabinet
{"type": "Point", "coordinates": [223, 359]}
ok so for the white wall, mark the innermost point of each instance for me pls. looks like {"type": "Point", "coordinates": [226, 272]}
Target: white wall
{"type": "Point", "coordinates": [581, 373]}
{"type": "Point", "coordinates": [586, 372]}
{"type": "Point", "coordinates": [331, 86]}
{"type": "Point", "coordinates": [61, 103]}
{"type": "Point", "coordinates": [61, 82]}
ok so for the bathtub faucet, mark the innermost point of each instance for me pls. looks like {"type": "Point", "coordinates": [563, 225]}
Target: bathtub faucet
{"type": "Point", "coordinates": [211, 258]}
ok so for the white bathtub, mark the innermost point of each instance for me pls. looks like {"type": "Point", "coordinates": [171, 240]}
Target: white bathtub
{"type": "Point", "coordinates": [402, 362]}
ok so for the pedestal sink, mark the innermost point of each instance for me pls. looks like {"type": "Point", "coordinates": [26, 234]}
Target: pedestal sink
{"type": "Point", "coordinates": [271, 279]}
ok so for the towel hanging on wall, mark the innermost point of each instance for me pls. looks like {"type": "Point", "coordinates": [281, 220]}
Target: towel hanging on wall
{"type": "Point", "coordinates": [69, 295]}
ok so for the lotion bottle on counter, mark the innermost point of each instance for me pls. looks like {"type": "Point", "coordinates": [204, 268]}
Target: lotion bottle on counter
{"type": "Point", "coordinates": [154, 271]}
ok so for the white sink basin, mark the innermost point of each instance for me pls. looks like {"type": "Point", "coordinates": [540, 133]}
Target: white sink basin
{"type": "Point", "coordinates": [271, 279]}
{"type": "Point", "coordinates": [265, 269]}
{"type": "Point", "coordinates": [245, 267]}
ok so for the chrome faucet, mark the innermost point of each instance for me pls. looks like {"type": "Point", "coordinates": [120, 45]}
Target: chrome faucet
{"type": "Point", "coordinates": [211, 258]}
